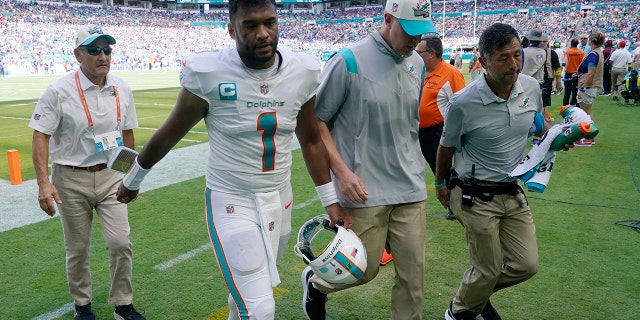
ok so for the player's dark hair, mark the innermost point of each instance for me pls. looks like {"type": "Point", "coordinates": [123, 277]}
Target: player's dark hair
{"type": "Point", "coordinates": [235, 4]}
{"type": "Point", "coordinates": [574, 42]}
{"type": "Point", "coordinates": [496, 36]}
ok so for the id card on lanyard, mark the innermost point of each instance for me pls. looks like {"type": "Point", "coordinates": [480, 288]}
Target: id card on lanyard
{"type": "Point", "coordinates": [105, 141]}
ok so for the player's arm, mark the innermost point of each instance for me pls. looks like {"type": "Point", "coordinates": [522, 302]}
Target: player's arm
{"type": "Point", "coordinates": [443, 163]}
{"type": "Point", "coordinates": [188, 111]}
{"type": "Point", "coordinates": [350, 184]}
{"type": "Point", "coordinates": [40, 157]}
{"type": "Point", "coordinates": [317, 160]}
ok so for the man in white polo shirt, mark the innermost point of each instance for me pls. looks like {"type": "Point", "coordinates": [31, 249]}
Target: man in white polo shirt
{"type": "Point", "coordinates": [86, 115]}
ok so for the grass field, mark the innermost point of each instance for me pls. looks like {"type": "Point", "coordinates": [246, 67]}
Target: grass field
{"type": "Point", "coordinates": [589, 265]}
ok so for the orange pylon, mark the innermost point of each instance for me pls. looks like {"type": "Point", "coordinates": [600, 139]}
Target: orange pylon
{"type": "Point", "coordinates": [15, 174]}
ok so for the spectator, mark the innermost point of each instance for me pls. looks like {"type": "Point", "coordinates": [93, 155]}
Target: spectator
{"type": "Point", "coordinates": [584, 44]}
{"type": "Point", "coordinates": [475, 69]}
{"type": "Point", "coordinates": [572, 58]}
{"type": "Point", "coordinates": [606, 75]}
{"type": "Point", "coordinates": [590, 78]}
{"type": "Point", "coordinates": [620, 62]}
{"type": "Point", "coordinates": [631, 88]}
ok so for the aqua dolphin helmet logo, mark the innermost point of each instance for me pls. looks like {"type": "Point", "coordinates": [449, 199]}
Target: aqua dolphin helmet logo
{"type": "Point", "coordinates": [422, 9]}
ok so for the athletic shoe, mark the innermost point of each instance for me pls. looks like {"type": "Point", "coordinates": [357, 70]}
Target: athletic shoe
{"type": "Point", "coordinates": [386, 257]}
{"type": "Point", "coordinates": [450, 216]}
{"type": "Point", "coordinates": [583, 143]}
{"type": "Point", "coordinates": [127, 312]}
{"type": "Point", "coordinates": [313, 301]}
{"type": "Point", "coordinates": [489, 313]}
{"type": "Point", "coordinates": [83, 313]}
{"type": "Point", "coordinates": [464, 315]}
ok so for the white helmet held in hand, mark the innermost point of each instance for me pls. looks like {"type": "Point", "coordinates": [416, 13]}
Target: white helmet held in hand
{"type": "Point", "coordinates": [343, 260]}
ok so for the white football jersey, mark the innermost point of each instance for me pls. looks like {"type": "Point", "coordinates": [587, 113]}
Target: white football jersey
{"type": "Point", "coordinates": [252, 115]}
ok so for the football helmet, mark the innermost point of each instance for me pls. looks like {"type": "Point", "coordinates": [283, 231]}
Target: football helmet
{"type": "Point", "coordinates": [343, 260]}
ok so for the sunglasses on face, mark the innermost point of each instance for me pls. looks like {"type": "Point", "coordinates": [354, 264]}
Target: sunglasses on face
{"type": "Point", "coordinates": [94, 51]}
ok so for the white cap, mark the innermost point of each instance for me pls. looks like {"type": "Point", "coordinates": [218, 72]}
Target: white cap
{"type": "Point", "coordinates": [414, 16]}
{"type": "Point", "coordinates": [88, 34]}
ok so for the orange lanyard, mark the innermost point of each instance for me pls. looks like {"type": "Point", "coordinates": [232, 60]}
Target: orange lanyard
{"type": "Point", "coordinates": [86, 107]}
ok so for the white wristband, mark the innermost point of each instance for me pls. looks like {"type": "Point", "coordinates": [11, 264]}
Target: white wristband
{"type": "Point", "coordinates": [327, 194]}
{"type": "Point", "coordinates": [134, 177]}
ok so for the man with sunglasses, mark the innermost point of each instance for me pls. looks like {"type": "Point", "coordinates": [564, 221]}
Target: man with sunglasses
{"type": "Point", "coordinates": [442, 80]}
{"type": "Point", "coordinates": [367, 110]}
{"type": "Point", "coordinates": [79, 121]}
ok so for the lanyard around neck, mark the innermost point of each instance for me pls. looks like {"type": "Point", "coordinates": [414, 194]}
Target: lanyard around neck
{"type": "Point", "coordinates": [86, 107]}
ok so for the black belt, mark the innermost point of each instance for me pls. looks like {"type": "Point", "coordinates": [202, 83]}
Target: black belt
{"type": "Point", "coordinates": [493, 188]}
{"type": "Point", "coordinates": [96, 168]}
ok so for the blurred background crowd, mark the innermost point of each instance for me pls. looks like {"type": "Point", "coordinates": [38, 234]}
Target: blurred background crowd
{"type": "Point", "coordinates": [38, 37]}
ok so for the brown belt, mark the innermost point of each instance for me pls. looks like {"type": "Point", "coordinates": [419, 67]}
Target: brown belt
{"type": "Point", "coordinates": [96, 168]}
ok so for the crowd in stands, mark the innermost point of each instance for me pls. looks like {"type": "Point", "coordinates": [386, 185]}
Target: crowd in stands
{"type": "Point", "coordinates": [38, 37]}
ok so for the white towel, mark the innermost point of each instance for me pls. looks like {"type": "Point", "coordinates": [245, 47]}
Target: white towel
{"type": "Point", "coordinates": [538, 182]}
{"type": "Point", "coordinates": [532, 161]}
{"type": "Point", "coordinates": [270, 212]}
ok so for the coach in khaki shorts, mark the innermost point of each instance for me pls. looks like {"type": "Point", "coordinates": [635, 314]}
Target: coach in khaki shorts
{"type": "Point", "coordinates": [81, 119]}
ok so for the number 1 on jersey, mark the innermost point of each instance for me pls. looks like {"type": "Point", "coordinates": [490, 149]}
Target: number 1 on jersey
{"type": "Point", "coordinates": [268, 124]}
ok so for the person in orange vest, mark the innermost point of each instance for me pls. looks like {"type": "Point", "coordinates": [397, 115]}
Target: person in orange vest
{"type": "Point", "coordinates": [442, 80]}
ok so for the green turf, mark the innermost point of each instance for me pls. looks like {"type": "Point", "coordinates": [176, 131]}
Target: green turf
{"type": "Point", "coordinates": [588, 263]}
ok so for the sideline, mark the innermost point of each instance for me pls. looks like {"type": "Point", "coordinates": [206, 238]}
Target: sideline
{"type": "Point", "coordinates": [19, 204]}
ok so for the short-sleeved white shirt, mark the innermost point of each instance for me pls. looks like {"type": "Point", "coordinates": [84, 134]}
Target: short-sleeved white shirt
{"type": "Point", "coordinates": [60, 114]}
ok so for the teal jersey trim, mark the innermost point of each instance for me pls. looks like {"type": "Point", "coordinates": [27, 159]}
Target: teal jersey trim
{"type": "Point", "coordinates": [350, 60]}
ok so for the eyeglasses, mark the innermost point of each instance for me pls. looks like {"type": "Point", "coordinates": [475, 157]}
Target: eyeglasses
{"type": "Point", "coordinates": [94, 51]}
{"type": "Point", "coordinates": [421, 52]}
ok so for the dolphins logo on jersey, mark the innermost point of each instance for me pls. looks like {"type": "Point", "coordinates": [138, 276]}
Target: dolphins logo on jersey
{"type": "Point", "coordinates": [227, 91]}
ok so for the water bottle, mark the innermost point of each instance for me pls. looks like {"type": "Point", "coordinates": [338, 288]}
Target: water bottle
{"type": "Point", "coordinates": [573, 114]}
{"type": "Point", "coordinates": [574, 133]}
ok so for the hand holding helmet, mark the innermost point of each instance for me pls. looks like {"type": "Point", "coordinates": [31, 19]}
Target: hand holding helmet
{"type": "Point", "coordinates": [343, 260]}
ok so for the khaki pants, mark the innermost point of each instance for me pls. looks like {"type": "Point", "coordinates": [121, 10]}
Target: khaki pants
{"type": "Point", "coordinates": [502, 244]}
{"type": "Point", "coordinates": [82, 192]}
{"type": "Point", "coordinates": [403, 226]}
{"type": "Point", "coordinates": [617, 80]}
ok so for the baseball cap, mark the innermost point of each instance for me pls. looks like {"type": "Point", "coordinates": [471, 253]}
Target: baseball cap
{"type": "Point", "coordinates": [88, 34]}
{"type": "Point", "coordinates": [536, 35]}
{"type": "Point", "coordinates": [622, 43]}
{"type": "Point", "coordinates": [414, 16]}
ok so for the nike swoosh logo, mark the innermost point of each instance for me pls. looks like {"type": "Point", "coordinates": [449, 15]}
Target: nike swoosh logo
{"type": "Point", "coordinates": [286, 206]}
